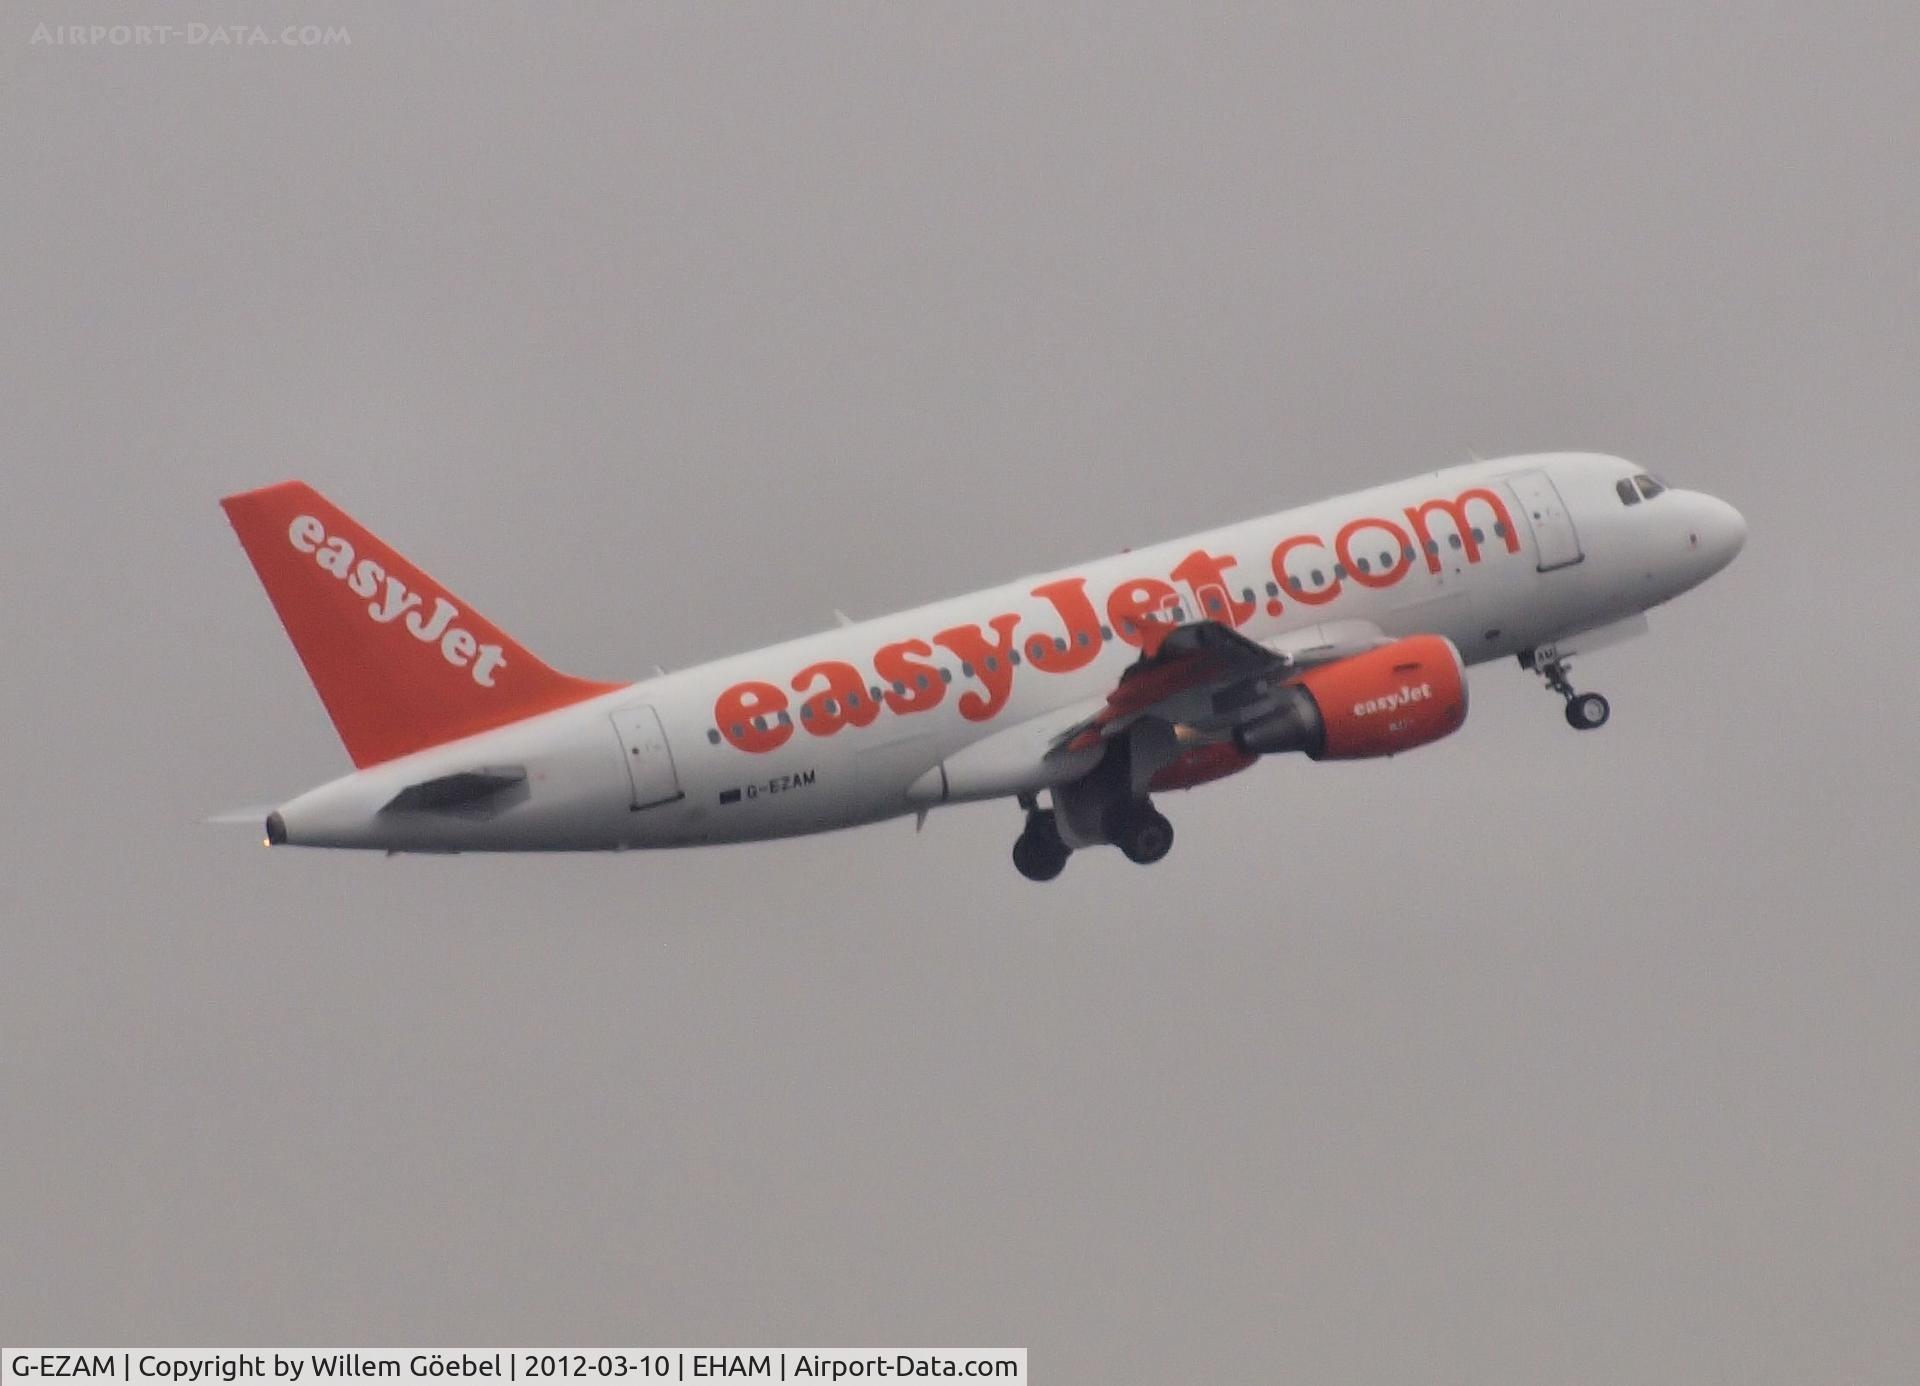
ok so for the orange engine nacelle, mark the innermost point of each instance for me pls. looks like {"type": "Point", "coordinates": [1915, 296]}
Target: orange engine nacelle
{"type": "Point", "coordinates": [1374, 704]}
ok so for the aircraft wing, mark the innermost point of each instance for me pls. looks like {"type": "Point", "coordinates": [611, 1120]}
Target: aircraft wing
{"type": "Point", "coordinates": [1204, 678]}
{"type": "Point", "coordinates": [1190, 688]}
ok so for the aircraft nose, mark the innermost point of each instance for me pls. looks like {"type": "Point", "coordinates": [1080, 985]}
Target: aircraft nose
{"type": "Point", "coordinates": [1719, 531]}
{"type": "Point", "coordinates": [1730, 529]}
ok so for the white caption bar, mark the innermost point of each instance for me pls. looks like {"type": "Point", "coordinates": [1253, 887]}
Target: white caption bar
{"type": "Point", "coordinates": [551, 1367]}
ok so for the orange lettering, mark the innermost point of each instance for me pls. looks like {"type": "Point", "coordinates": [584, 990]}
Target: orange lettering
{"type": "Point", "coordinates": [1080, 645]}
{"type": "Point", "coordinates": [749, 715]}
{"type": "Point", "coordinates": [989, 663]}
{"type": "Point", "coordinates": [916, 686]}
{"type": "Point", "coordinates": [1457, 510]}
{"type": "Point", "coordinates": [1385, 577]}
{"type": "Point", "coordinates": [844, 702]}
{"type": "Point", "coordinates": [1206, 574]}
{"type": "Point", "coordinates": [1132, 604]}
{"type": "Point", "coordinates": [1302, 592]}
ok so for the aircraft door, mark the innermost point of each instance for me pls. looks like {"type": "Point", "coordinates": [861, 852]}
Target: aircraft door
{"type": "Point", "coordinates": [643, 746]}
{"type": "Point", "coordinates": [1554, 539]}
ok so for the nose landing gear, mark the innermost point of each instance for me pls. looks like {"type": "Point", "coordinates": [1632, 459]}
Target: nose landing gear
{"type": "Point", "coordinates": [1585, 711]}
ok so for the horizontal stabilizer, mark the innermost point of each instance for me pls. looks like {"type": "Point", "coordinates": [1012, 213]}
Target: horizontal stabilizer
{"type": "Point", "coordinates": [452, 791]}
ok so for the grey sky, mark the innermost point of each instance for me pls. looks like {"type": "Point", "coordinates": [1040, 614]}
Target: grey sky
{"type": "Point", "coordinates": [660, 332]}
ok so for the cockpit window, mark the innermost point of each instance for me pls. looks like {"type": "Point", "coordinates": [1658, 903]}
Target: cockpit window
{"type": "Point", "coordinates": [1628, 496]}
{"type": "Point", "coordinates": [1649, 487]}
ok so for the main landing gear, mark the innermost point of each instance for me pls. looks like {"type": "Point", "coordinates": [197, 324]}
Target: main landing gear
{"type": "Point", "coordinates": [1135, 826]}
{"type": "Point", "coordinates": [1140, 831]}
{"type": "Point", "coordinates": [1585, 711]}
{"type": "Point", "coordinates": [1038, 853]}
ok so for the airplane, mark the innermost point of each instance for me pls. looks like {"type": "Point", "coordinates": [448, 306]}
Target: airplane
{"type": "Point", "coordinates": [1337, 631]}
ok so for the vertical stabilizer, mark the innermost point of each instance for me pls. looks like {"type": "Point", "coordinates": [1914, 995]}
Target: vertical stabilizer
{"type": "Point", "coordinates": [400, 662]}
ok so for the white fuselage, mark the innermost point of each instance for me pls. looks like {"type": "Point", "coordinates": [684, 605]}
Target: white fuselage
{"type": "Point", "coordinates": [899, 714]}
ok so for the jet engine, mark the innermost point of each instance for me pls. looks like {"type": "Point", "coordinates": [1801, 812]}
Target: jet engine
{"type": "Point", "coordinates": [1380, 703]}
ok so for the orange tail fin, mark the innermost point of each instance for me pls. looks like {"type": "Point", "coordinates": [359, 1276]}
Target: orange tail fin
{"type": "Point", "coordinates": [399, 661]}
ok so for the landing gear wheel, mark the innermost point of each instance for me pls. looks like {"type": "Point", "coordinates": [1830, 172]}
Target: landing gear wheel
{"type": "Point", "coordinates": [1586, 711]}
{"type": "Point", "coordinates": [1141, 833]}
{"type": "Point", "coordinates": [1038, 853]}
{"type": "Point", "coordinates": [1036, 861]}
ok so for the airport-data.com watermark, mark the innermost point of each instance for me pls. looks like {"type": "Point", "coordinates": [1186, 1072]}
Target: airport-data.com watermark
{"type": "Point", "coordinates": [190, 35]}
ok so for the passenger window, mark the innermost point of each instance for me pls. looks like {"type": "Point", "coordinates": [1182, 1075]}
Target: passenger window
{"type": "Point", "coordinates": [1500, 529]}
{"type": "Point", "coordinates": [1453, 541]}
{"type": "Point", "coordinates": [1479, 535]}
{"type": "Point", "coordinates": [1361, 564]}
{"type": "Point", "coordinates": [1318, 577]}
{"type": "Point", "coordinates": [1273, 589]}
{"type": "Point", "coordinates": [713, 735]}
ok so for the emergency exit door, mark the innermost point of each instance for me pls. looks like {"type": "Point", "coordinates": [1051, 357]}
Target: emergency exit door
{"type": "Point", "coordinates": [643, 745]}
{"type": "Point", "coordinates": [1554, 539]}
